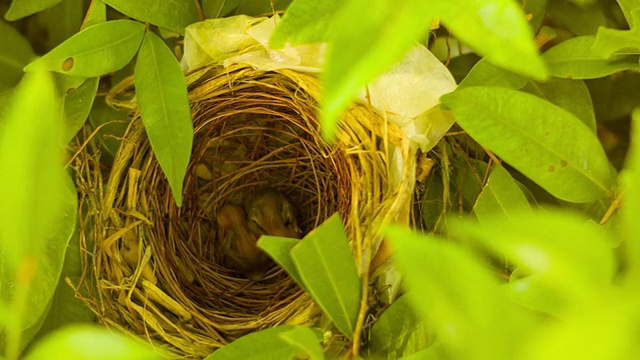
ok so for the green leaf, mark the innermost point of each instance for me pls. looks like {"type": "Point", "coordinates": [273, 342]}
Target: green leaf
{"type": "Point", "coordinates": [501, 195]}
{"type": "Point", "coordinates": [610, 41]}
{"type": "Point", "coordinates": [265, 344]}
{"type": "Point", "coordinates": [214, 9]}
{"type": "Point", "coordinates": [174, 15]}
{"type": "Point", "coordinates": [396, 328]}
{"type": "Point", "coordinates": [485, 73]}
{"type": "Point", "coordinates": [530, 134]}
{"type": "Point", "coordinates": [96, 13]}
{"type": "Point", "coordinates": [627, 6]}
{"type": "Point", "coordinates": [164, 107]}
{"type": "Point", "coordinates": [631, 210]}
{"type": "Point", "coordinates": [367, 37]}
{"type": "Point", "coordinates": [87, 342]}
{"type": "Point", "coordinates": [69, 15]}
{"type": "Point", "coordinates": [260, 8]}
{"type": "Point", "coordinates": [306, 340]}
{"type": "Point", "coordinates": [579, 20]}
{"type": "Point", "coordinates": [327, 268]}
{"type": "Point", "coordinates": [569, 255]}
{"type": "Point", "coordinates": [78, 96]}
{"type": "Point", "coordinates": [495, 29]}
{"type": "Point", "coordinates": [306, 21]}
{"type": "Point", "coordinates": [279, 249]}
{"type": "Point", "coordinates": [23, 8]}
{"type": "Point", "coordinates": [468, 180]}
{"type": "Point", "coordinates": [571, 95]}
{"type": "Point", "coordinates": [15, 53]}
{"type": "Point", "coordinates": [94, 51]}
{"type": "Point", "coordinates": [576, 59]}
{"type": "Point", "coordinates": [472, 316]}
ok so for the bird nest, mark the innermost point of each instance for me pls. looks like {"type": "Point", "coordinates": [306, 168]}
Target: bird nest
{"type": "Point", "coordinates": [152, 269]}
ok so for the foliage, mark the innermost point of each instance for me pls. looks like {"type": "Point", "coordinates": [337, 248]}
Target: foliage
{"type": "Point", "coordinates": [542, 260]}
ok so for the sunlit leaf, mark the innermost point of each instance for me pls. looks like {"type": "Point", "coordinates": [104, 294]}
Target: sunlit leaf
{"type": "Point", "coordinates": [367, 37]}
{"type": "Point", "coordinates": [327, 268]}
{"type": "Point", "coordinates": [571, 95]}
{"type": "Point", "coordinates": [306, 21]}
{"type": "Point", "coordinates": [530, 134]}
{"type": "Point", "coordinates": [171, 14]}
{"type": "Point", "coordinates": [576, 59]}
{"type": "Point", "coordinates": [627, 6]}
{"type": "Point", "coordinates": [96, 13]}
{"type": "Point", "coordinates": [495, 29]}
{"type": "Point", "coordinates": [94, 51]}
{"type": "Point", "coordinates": [306, 340]}
{"type": "Point", "coordinates": [459, 297]}
{"type": "Point", "coordinates": [265, 344]}
{"type": "Point", "coordinates": [500, 196]}
{"type": "Point", "coordinates": [485, 73]}
{"type": "Point", "coordinates": [161, 90]}
{"type": "Point", "coordinates": [279, 249]}
{"type": "Point", "coordinates": [88, 342]}
{"type": "Point", "coordinates": [22, 8]}
{"type": "Point", "coordinates": [15, 53]}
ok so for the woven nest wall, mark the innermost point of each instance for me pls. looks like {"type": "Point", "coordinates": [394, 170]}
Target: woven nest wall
{"type": "Point", "coordinates": [152, 268]}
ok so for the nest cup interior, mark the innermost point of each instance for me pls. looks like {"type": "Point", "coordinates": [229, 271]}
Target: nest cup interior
{"type": "Point", "coordinates": [156, 269]}
{"type": "Point", "coordinates": [257, 131]}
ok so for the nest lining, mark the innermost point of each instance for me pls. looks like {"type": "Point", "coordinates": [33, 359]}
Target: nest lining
{"type": "Point", "coordinates": [156, 268]}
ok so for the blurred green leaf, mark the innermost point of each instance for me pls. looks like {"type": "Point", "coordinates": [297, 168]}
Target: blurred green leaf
{"type": "Point", "coordinates": [569, 255]}
{"type": "Point", "coordinates": [627, 42]}
{"type": "Point", "coordinates": [306, 21]}
{"type": "Point", "coordinates": [495, 29]}
{"type": "Point", "coordinates": [69, 15]}
{"type": "Point", "coordinates": [279, 249]}
{"type": "Point", "coordinates": [579, 20]}
{"type": "Point", "coordinates": [161, 90]}
{"type": "Point", "coordinates": [23, 8]}
{"type": "Point", "coordinates": [174, 15]}
{"type": "Point", "coordinates": [38, 211]}
{"type": "Point", "coordinates": [535, 292]}
{"type": "Point", "coordinates": [576, 59]}
{"type": "Point", "coordinates": [15, 53]}
{"type": "Point", "coordinates": [459, 297]}
{"type": "Point", "coordinates": [91, 342]}
{"type": "Point", "coordinates": [214, 9]}
{"type": "Point", "coordinates": [367, 37]}
{"type": "Point", "coordinates": [306, 340]}
{"type": "Point", "coordinates": [571, 95]}
{"type": "Point", "coordinates": [396, 328]}
{"type": "Point", "coordinates": [485, 73]}
{"type": "Point", "coordinates": [94, 51]}
{"type": "Point", "coordinates": [537, 11]}
{"type": "Point", "coordinates": [530, 134]}
{"type": "Point", "coordinates": [77, 99]}
{"type": "Point", "coordinates": [326, 265]}
{"type": "Point", "coordinates": [501, 195]}
{"type": "Point", "coordinates": [266, 344]}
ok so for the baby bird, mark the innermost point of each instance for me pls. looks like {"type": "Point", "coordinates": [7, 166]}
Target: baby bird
{"type": "Point", "coordinates": [240, 242]}
{"type": "Point", "coordinates": [270, 213]}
